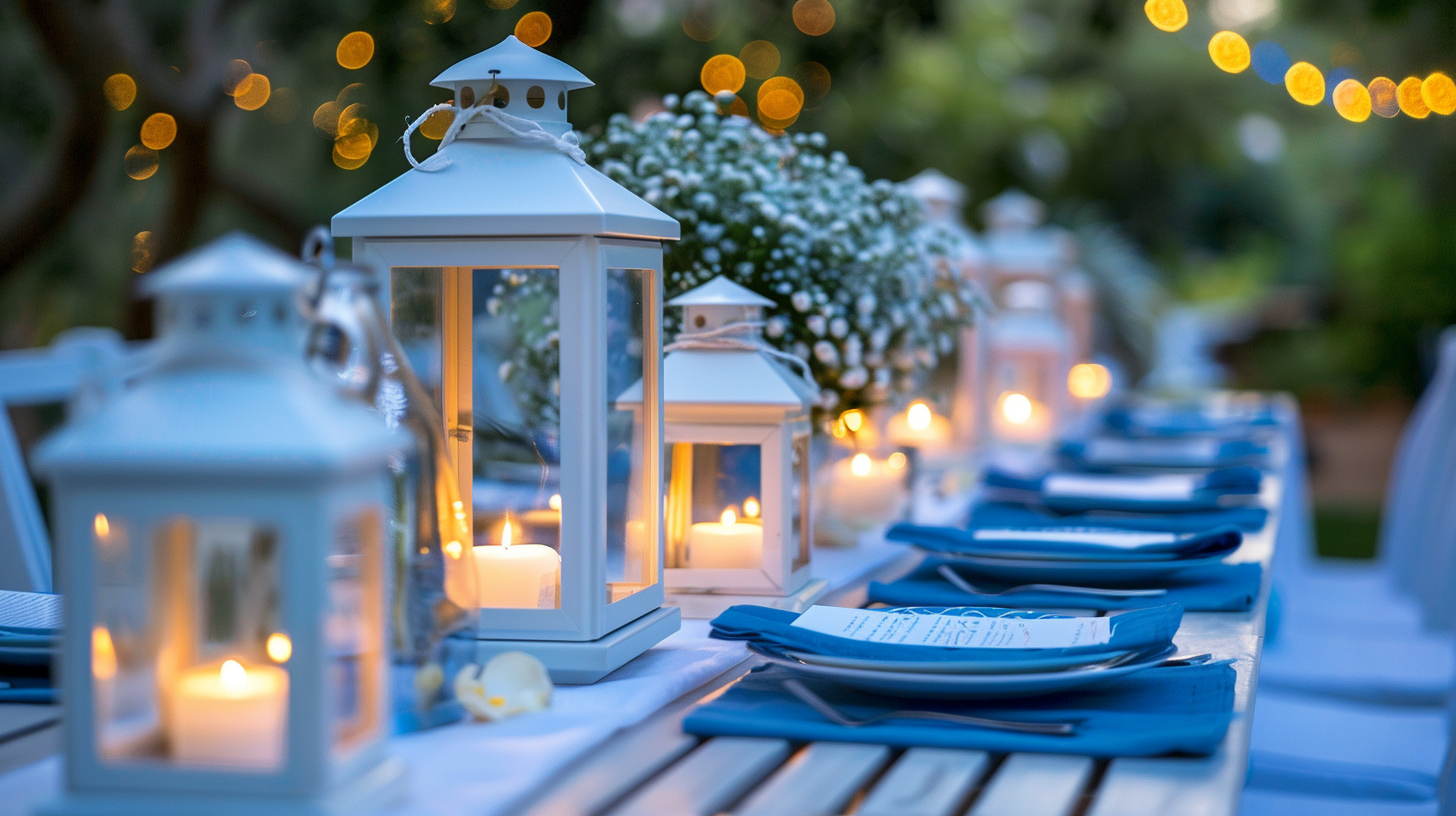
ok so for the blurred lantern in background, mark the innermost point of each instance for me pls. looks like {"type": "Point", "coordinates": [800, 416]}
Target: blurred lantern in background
{"type": "Point", "coordinates": [1029, 351]}
{"type": "Point", "coordinates": [221, 517]}
{"type": "Point", "coordinates": [738, 524]}
{"type": "Point", "coordinates": [525, 287]}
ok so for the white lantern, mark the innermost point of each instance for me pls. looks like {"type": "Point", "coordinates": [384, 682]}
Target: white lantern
{"type": "Point", "coordinates": [526, 288]}
{"type": "Point", "coordinates": [1029, 353]}
{"type": "Point", "coordinates": [221, 526]}
{"type": "Point", "coordinates": [738, 499]}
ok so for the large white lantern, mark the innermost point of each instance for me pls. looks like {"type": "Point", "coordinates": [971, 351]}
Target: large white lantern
{"type": "Point", "coordinates": [221, 526]}
{"type": "Point", "coordinates": [1029, 357]}
{"type": "Point", "coordinates": [526, 288]}
{"type": "Point", "coordinates": [738, 499]}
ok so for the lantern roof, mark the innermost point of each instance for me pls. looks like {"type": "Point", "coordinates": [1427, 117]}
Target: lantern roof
{"type": "Point", "coordinates": [720, 291]}
{"type": "Point", "coordinates": [932, 185]}
{"type": "Point", "coordinates": [237, 262]}
{"type": "Point", "coordinates": [1013, 210]}
{"type": "Point", "coordinates": [512, 59]}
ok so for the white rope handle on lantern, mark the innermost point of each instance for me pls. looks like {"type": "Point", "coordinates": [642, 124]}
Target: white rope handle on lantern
{"type": "Point", "coordinates": [523, 129]}
{"type": "Point", "coordinates": [737, 336]}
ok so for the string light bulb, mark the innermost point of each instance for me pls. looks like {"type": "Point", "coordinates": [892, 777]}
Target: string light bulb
{"type": "Point", "coordinates": [1230, 52]}
{"type": "Point", "coordinates": [1305, 83]}
{"type": "Point", "coordinates": [1352, 100]}
{"type": "Point", "coordinates": [1439, 93]}
{"type": "Point", "coordinates": [1383, 101]}
{"type": "Point", "coordinates": [1408, 96]}
{"type": "Point", "coordinates": [1167, 15]}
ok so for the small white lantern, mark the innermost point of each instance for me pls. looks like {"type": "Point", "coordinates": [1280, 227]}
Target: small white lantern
{"type": "Point", "coordinates": [221, 526]}
{"type": "Point", "coordinates": [526, 288]}
{"type": "Point", "coordinates": [1029, 353]}
{"type": "Point", "coordinates": [738, 526]}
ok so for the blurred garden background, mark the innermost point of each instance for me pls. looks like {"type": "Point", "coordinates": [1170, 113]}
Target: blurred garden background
{"type": "Point", "coordinates": [1314, 250]}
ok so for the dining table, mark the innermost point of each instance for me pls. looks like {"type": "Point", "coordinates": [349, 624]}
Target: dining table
{"type": "Point", "coordinates": [617, 747]}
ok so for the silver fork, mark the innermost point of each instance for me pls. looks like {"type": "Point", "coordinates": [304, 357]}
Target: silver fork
{"type": "Point", "coordinates": [949, 574]}
{"type": "Point", "coordinates": [829, 712]}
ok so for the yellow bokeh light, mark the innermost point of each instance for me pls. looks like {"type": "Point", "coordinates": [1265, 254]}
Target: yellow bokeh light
{"type": "Point", "coordinates": [1305, 83]}
{"type": "Point", "coordinates": [723, 72]}
{"type": "Point", "coordinates": [896, 460]}
{"type": "Point", "coordinates": [347, 163]}
{"type": "Point", "coordinates": [751, 507]}
{"type": "Point", "coordinates": [1352, 100]}
{"type": "Point", "coordinates": [279, 647]}
{"type": "Point", "coordinates": [355, 145]}
{"type": "Point", "coordinates": [814, 17]}
{"type": "Point", "coordinates": [1229, 52]}
{"type": "Point", "coordinates": [143, 255]}
{"type": "Point", "coordinates": [760, 59]}
{"type": "Point", "coordinates": [158, 131]}
{"type": "Point", "coordinates": [103, 654]}
{"type": "Point", "coordinates": [918, 416]}
{"type": "Point", "coordinates": [253, 93]}
{"type": "Point", "coordinates": [119, 90]}
{"type": "Point", "coordinates": [233, 677]}
{"type": "Point", "coordinates": [853, 420]}
{"type": "Point", "coordinates": [355, 50]}
{"type": "Point", "coordinates": [554, 502]}
{"type": "Point", "coordinates": [780, 84]}
{"type": "Point", "coordinates": [101, 525]}
{"type": "Point", "coordinates": [237, 73]}
{"type": "Point", "coordinates": [1383, 101]}
{"type": "Point", "coordinates": [1408, 95]}
{"type": "Point", "coordinates": [453, 549]}
{"type": "Point", "coordinates": [436, 124]}
{"type": "Point", "coordinates": [1167, 15]}
{"type": "Point", "coordinates": [729, 518]}
{"type": "Point", "coordinates": [1439, 93]}
{"type": "Point", "coordinates": [860, 465]}
{"type": "Point", "coordinates": [140, 162]}
{"type": "Point", "coordinates": [1089, 381]}
{"type": "Point", "coordinates": [439, 12]}
{"type": "Point", "coordinates": [1016, 408]}
{"type": "Point", "coordinates": [534, 29]}
{"type": "Point", "coordinates": [326, 118]}
{"type": "Point", "coordinates": [816, 81]}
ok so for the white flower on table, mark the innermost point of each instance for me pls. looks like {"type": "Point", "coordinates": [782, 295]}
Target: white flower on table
{"type": "Point", "coordinates": [511, 683]}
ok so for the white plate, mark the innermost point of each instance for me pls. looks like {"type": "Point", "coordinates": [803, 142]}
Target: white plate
{"type": "Point", "coordinates": [965, 686]}
{"type": "Point", "coordinates": [1028, 666]}
{"type": "Point", "coordinates": [1037, 570]}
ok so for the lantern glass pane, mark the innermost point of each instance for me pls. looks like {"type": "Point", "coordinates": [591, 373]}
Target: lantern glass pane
{"type": "Point", "coordinates": [415, 316]}
{"type": "Point", "coordinates": [715, 506]}
{"type": "Point", "coordinates": [353, 630]}
{"type": "Point", "coordinates": [1026, 384]}
{"type": "Point", "coordinates": [799, 502]}
{"type": "Point", "coordinates": [631, 540]}
{"type": "Point", "coordinates": [512, 350]}
{"type": "Point", "coordinates": [181, 645]}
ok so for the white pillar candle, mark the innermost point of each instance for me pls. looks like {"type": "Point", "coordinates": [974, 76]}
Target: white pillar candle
{"type": "Point", "coordinates": [919, 427]}
{"type": "Point", "coordinates": [725, 544]}
{"type": "Point", "coordinates": [523, 576]}
{"type": "Point", "coordinates": [231, 716]}
{"type": "Point", "coordinates": [862, 489]}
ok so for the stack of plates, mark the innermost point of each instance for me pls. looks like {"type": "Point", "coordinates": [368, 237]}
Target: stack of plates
{"type": "Point", "coordinates": [30, 633]}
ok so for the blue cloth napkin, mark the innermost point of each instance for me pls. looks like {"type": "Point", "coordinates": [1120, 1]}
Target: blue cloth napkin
{"type": "Point", "coordinates": [1219, 588]}
{"type": "Point", "coordinates": [1012, 514]}
{"type": "Point", "coordinates": [1101, 543]}
{"type": "Point", "coordinates": [1113, 453]}
{"type": "Point", "coordinates": [1156, 493]}
{"type": "Point", "coordinates": [773, 629]}
{"type": "Point", "coordinates": [1173, 710]}
{"type": "Point", "coordinates": [1181, 421]}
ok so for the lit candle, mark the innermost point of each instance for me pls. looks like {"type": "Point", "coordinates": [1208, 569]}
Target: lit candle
{"type": "Point", "coordinates": [517, 577]}
{"type": "Point", "coordinates": [230, 716]}
{"type": "Point", "coordinates": [725, 544]}
{"type": "Point", "coordinates": [861, 489]}
{"type": "Point", "coordinates": [1022, 419]}
{"type": "Point", "coordinates": [1089, 381]}
{"type": "Point", "coordinates": [918, 426]}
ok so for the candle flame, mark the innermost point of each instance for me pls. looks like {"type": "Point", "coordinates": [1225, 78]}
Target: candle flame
{"type": "Point", "coordinates": [452, 549]}
{"type": "Point", "coordinates": [279, 647]}
{"type": "Point", "coordinates": [918, 416]}
{"type": "Point", "coordinates": [506, 535]}
{"type": "Point", "coordinates": [860, 464]}
{"type": "Point", "coordinates": [233, 676]}
{"type": "Point", "coordinates": [554, 502]}
{"type": "Point", "coordinates": [896, 461]}
{"type": "Point", "coordinates": [1089, 381]}
{"type": "Point", "coordinates": [103, 653]}
{"type": "Point", "coordinates": [751, 507]}
{"type": "Point", "coordinates": [729, 518]}
{"type": "Point", "coordinates": [1016, 408]}
{"type": "Point", "coordinates": [103, 526]}
{"type": "Point", "coordinates": [853, 420]}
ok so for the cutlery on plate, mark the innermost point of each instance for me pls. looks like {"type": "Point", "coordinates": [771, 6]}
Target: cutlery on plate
{"type": "Point", "coordinates": [829, 712]}
{"type": "Point", "coordinates": [949, 574]}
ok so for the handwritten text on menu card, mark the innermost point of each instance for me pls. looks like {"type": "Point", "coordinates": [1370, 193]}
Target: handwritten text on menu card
{"type": "Point", "coordinates": [956, 631]}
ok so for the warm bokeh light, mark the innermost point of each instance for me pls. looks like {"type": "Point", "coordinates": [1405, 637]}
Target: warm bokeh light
{"type": "Point", "coordinates": [760, 59]}
{"type": "Point", "coordinates": [158, 131]}
{"type": "Point", "coordinates": [355, 50]}
{"type": "Point", "coordinates": [103, 654]}
{"type": "Point", "coordinates": [780, 98]}
{"type": "Point", "coordinates": [1305, 83]}
{"type": "Point", "coordinates": [346, 163]}
{"type": "Point", "coordinates": [1230, 52]}
{"type": "Point", "coordinates": [452, 549]}
{"type": "Point", "coordinates": [101, 525]}
{"type": "Point", "coordinates": [816, 81]}
{"type": "Point", "coordinates": [253, 92]}
{"type": "Point", "coordinates": [860, 465]}
{"type": "Point", "coordinates": [326, 118]}
{"type": "Point", "coordinates": [500, 5]}
{"type": "Point", "coordinates": [1408, 95]}
{"type": "Point", "coordinates": [1089, 381]}
{"type": "Point", "coordinates": [853, 420]}
{"type": "Point", "coordinates": [1167, 15]}
{"type": "Point", "coordinates": [119, 90]}
{"type": "Point", "coordinates": [701, 24]}
{"type": "Point", "coordinates": [1439, 93]}
{"type": "Point", "coordinates": [534, 29]}
{"type": "Point", "coordinates": [439, 12]}
{"type": "Point", "coordinates": [1383, 101]}
{"type": "Point", "coordinates": [735, 108]}
{"type": "Point", "coordinates": [233, 676]}
{"type": "Point", "coordinates": [140, 162]}
{"type": "Point", "coordinates": [814, 17]}
{"type": "Point", "coordinates": [1352, 100]}
{"type": "Point", "coordinates": [918, 416]}
{"type": "Point", "coordinates": [554, 502]}
{"type": "Point", "coordinates": [435, 126]}
{"type": "Point", "coordinates": [238, 71]}
{"type": "Point", "coordinates": [723, 72]}
{"type": "Point", "coordinates": [143, 255]}
{"type": "Point", "coordinates": [359, 142]}
{"type": "Point", "coordinates": [896, 460]}
{"type": "Point", "coordinates": [1016, 408]}
{"type": "Point", "coordinates": [751, 507]}
{"type": "Point", "coordinates": [279, 647]}
{"type": "Point", "coordinates": [729, 518]}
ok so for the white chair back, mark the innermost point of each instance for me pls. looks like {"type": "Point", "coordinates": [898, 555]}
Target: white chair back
{"type": "Point", "coordinates": [1421, 476]}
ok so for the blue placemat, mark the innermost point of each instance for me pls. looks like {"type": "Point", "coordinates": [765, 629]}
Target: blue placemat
{"type": "Point", "coordinates": [1117, 453]}
{"type": "Point", "coordinates": [1071, 492]}
{"type": "Point", "coordinates": [1174, 710]}
{"type": "Point", "coordinates": [1221, 588]}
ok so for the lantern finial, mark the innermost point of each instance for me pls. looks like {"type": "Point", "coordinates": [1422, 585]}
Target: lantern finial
{"type": "Point", "coordinates": [518, 79]}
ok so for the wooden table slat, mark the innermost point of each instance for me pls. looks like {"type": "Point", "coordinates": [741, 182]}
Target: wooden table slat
{"type": "Point", "coordinates": [820, 780]}
{"type": "Point", "coordinates": [1035, 785]}
{"type": "Point", "coordinates": [927, 782]}
{"type": "Point", "coordinates": [709, 779]}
